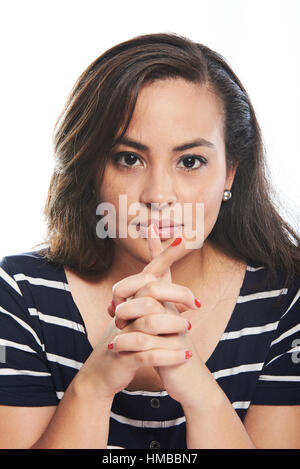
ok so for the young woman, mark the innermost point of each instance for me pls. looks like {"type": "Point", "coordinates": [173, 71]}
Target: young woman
{"type": "Point", "coordinates": [153, 341]}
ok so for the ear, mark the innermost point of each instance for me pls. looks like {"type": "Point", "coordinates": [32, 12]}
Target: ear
{"type": "Point", "coordinates": [230, 174]}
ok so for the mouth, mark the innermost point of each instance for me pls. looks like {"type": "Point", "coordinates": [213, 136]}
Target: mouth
{"type": "Point", "coordinates": [165, 231]}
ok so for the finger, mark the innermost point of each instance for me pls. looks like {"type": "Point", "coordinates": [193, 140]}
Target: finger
{"type": "Point", "coordinates": [143, 306]}
{"type": "Point", "coordinates": [153, 241]}
{"type": "Point", "coordinates": [168, 292]}
{"type": "Point", "coordinates": [138, 307]}
{"type": "Point", "coordinates": [156, 358]}
{"type": "Point", "coordinates": [127, 287]}
{"type": "Point", "coordinates": [139, 341]}
{"type": "Point", "coordinates": [163, 261]}
{"type": "Point", "coordinates": [155, 248]}
{"type": "Point", "coordinates": [156, 324]}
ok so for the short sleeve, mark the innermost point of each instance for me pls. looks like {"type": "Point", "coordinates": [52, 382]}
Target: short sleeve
{"type": "Point", "coordinates": [279, 381]}
{"type": "Point", "coordinates": [25, 379]}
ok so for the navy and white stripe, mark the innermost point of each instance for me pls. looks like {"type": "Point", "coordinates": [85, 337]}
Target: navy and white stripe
{"type": "Point", "coordinates": [46, 344]}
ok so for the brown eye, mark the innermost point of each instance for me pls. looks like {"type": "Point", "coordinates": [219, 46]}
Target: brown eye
{"type": "Point", "coordinates": [189, 162]}
{"type": "Point", "coordinates": [128, 158]}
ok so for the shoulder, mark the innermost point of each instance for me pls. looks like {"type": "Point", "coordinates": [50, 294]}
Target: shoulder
{"type": "Point", "coordinates": [279, 366]}
{"type": "Point", "coordinates": [262, 284]}
{"type": "Point", "coordinates": [24, 370]}
{"type": "Point", "coordinates": [33, 294]}
{"type": "Point", "coordinates": [30, 267]}
{"type": "Point", "coordinates": [30, 283]}
{"type": "Point", "coordinates": [29, 261]}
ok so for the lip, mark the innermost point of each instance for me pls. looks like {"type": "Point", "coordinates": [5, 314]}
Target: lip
{"type": "Point", "coordinates": [165, 233]}
{"type": "Point", "coordinates": [159, 223]}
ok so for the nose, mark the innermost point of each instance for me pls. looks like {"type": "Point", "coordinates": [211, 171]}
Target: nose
{"type": "Point", "coordinates": [159, 189]}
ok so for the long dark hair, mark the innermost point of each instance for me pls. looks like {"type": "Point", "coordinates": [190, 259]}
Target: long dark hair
{"type": "Point", "coordinates": [249, 227]}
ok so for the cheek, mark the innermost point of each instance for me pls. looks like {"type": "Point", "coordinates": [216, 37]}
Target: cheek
{"type": "Point", "coordinates": [111, 188]}
{"type": "Point", "coordinates": [206, 205]}
{"type": "Point", "coordinates": [212, 205]}
{"type": "Point", "coordinates": [108, 192]}
{"type": "Point", "coordinates": [213, 196]}
{"type": "Point", "coordinates": [120, 195]}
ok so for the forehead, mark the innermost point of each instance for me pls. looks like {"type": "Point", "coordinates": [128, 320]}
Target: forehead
{"type": "Point", "coordinates": [177, 109]}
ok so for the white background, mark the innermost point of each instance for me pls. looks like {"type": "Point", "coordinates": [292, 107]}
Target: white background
{"type": "Point", "coordinates": [45, 45]}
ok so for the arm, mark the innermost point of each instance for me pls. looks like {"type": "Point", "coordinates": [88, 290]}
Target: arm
{"type": "Point", "coordinates": [274, 427]}
{"type": "Point", "coordinates": [265, 427]}
{"type": "Point", "coordinates": [212, 422]}
{"type": "Point", "coordinates": [29, 414]}
{"type": "Point", "coordinates": [80, 421]}
{"type": "Point", "coordinates": [20, 427]}
{"type": "Point", "coordinates": [273, 419]}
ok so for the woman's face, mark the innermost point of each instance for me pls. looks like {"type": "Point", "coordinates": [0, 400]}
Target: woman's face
{"type": "Point", "coordinates": [172, 155]}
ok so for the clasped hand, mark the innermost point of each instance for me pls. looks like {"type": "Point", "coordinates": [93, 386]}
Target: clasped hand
{"type": "Point", "coordinates": [147, 309]}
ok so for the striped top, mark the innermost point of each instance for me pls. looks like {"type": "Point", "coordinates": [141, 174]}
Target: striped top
{"type": "Point", "coordinates": [43, 344]}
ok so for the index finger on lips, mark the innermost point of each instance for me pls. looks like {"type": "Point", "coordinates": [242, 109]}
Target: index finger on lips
{"type": "Point", "coordinates": [157, 268]}
{"type": "Point", "coordinates": [161, 263]}
{"type": "Point", "coordinates": [155, 248]}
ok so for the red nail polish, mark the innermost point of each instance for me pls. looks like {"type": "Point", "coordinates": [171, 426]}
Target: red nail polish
{"type": "Point", "coordinates": [189, 326]}
{"type": "Point", "coordinates": [176, 242]}
{"type": "Point", "coordinates": [110, 346]}
{"type": "Point", "coordinates": [188, 354]}
{"type": "Point", "coordinates": [197, 303]}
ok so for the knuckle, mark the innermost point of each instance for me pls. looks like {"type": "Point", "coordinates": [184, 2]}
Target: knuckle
{"type": "Point", "coordinates": [149, 277]}
{"type": "Point", "coordinates": [150, 323]}
{"type": "Point", "coordinates": [141, 340]}
{"type": "Point", "coordinates": [154, 358]}
{"type": "Point", "coordinates": [148, 303]}
{"type": "Point", "coordinates": [141, 359]}
{"type": "Point", "coordinates": [151, 287]}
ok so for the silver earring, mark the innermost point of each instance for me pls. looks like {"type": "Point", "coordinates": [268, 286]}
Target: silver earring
{"type": "Point", "coordinates": [227, 195]}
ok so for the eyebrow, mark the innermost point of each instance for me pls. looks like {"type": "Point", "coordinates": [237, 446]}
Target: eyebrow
{"type": "Point", "coordinates": [199, 142]}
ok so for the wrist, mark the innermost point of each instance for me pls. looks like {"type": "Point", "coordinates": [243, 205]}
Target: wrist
{"type": "Point", "coordinates": [209, 398]}
{"type": "Point", "coordinates": [86, 387]}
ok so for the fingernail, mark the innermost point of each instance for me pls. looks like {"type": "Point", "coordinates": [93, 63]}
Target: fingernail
{"type": "Point", "coordinates": [176, 242]}
{"type": "Point", "coordinates": [197, 303]}
{"type": "Point", "coordinates": [188, 354]}
{"type": "Point", "coordinates": [189, 325]}
{"type": "Point", "coordinates": [110, 346]}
